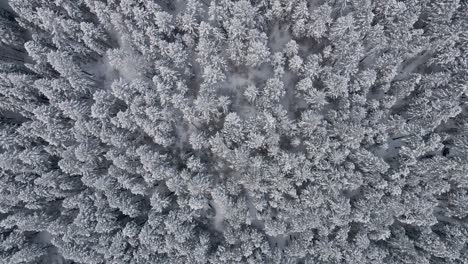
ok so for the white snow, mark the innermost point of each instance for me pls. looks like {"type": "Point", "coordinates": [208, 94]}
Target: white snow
{"type": "Point", "coordinates": [220, 215]}
{"type": "Point", "coordinates": [253, 213]}
{"type": "Point", "coordinates": [278, 38]}
{"type": "Point", "coordinates": [4, 4]}
{"type": "Point", "coordinates": [44, 237]}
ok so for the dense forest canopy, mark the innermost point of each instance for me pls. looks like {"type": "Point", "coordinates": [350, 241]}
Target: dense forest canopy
{"type": "Point", "coordinates": [233, 131]}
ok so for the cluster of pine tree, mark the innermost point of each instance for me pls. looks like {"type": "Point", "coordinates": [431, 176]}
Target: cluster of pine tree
{"type": "Point", "coordinates": [234, 131]}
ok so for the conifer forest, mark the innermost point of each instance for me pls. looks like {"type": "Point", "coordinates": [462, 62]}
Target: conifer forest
{"type": "Point", "coordinates": [233, 131]}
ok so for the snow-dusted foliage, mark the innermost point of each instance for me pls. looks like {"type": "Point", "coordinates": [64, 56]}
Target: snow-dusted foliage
{"type": "Point", "coordinates": [234, 131]}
